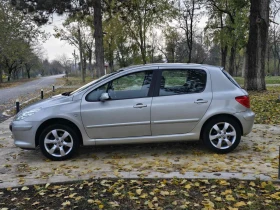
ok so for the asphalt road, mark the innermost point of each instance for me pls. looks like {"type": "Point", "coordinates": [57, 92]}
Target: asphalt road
{"type": "Point", "coordinates": [28, 88]}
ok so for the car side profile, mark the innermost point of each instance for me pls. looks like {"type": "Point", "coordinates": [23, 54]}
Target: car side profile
{"type": "Point", "coordinates": [140, 104]}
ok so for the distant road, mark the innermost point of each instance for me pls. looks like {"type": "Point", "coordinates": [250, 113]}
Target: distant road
{"type": "Point", "coordinates": [7, 94]}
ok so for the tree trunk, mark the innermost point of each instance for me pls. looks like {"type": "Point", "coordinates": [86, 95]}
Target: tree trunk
{"type": "Point", "coordinates": [224, 56]}
{"type": "Point", "coordinates": [81, 55]}
{"type": "Point", "coordinates": [90, 64]}
{"type": "Point", "coordinates": [1, 74]}
{"type": "Point", "coordinates": [28, 73]}
{"type": "Point", "coordinates": [232, 60]}
{"type": "Point", "coordinates": [84, 65]}
{"type": "Point", "coordinates": [98, 35]}
{"type": "Point", "coordinates": [256, 47]}
{"type": "Point", "coordinates": [111, 56]}
{"type": "Point", "coordinates": [245, 64]}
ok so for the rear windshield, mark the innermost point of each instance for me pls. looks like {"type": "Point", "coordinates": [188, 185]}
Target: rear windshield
{"type": "Point", "coordinates": [231, 78]}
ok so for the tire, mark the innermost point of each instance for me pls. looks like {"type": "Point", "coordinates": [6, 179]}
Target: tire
{"type": "Point", "coordinates": [222, 134]}
{"type": "Point", "coordinates": [59, 142]}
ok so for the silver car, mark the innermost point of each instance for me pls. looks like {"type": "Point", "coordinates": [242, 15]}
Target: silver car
{"type": "Point", "coordinates": [140, 104]}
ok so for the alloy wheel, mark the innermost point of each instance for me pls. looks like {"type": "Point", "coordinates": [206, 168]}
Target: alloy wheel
{"type": "Point", "coordinates": [58, 143]}
{"type": "Point", "coordinates": [222, 135]}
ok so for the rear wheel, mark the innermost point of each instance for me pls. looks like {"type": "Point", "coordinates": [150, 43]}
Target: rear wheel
{"type": "Point", "coordinates": [58, 142]}
{"type": "Point", "coordinates": [222, 134]}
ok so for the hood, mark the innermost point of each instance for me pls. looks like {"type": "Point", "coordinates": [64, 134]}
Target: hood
{"type": "Point", "coordinates": [52, 101]}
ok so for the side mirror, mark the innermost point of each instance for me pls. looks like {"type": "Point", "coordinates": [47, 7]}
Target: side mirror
{"type": "Point", "coordinates": [104, 97]}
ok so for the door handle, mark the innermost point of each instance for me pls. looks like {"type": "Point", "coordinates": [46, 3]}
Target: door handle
{"type": "Point", "coordinates": [200, 101]}
{"type": "Point", "coordinates": [139, 105]}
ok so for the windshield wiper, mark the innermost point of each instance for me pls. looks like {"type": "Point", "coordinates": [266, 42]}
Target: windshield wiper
{"type": "Point", "coordinates": [66, 93]}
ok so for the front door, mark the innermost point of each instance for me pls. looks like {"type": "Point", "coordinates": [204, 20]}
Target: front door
{"type": "Point", "coordinates": [126, 114]}
{"type": "Point", "coordinates": [183, 97]}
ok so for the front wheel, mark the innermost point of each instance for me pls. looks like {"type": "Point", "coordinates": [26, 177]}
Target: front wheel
{"type": "Point", "coordinates": [58, 142]}
{"type": "Point", "coordinates": [222, 134]}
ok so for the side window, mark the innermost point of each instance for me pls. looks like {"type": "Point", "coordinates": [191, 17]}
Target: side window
{"type": "Point", "coordinates": [95, 95]}
{"type": "Point", "coordinates": [184, 81]}
{"type": "Point", "coordinates": [135, 85]}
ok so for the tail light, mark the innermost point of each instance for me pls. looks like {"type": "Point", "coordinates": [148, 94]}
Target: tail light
{"type": "Point", "coordinates": [243, 100]}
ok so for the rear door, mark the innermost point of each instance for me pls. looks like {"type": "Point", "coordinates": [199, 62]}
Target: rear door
{"type": "Point", "coordinates": [182, 97]}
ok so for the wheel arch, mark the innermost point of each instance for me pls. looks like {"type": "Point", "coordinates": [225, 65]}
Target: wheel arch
{"type": "Point", "coordinates": [57, 121]}
{"type": "Point", "coordinates": [221, 115]}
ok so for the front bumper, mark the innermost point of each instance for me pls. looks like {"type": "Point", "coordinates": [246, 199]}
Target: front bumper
{"type": "Point", "coordinates": [24, 134]}
{"type": "Point", "coordinates": [247, 120]}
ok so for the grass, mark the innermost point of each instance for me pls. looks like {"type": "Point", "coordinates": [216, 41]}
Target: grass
{"type": "Point", "coordinates": [165, 194]}
{"type": "Point", "coordinates": [268, 80]}
{"type": "Point", "coordinates": [75, 81]}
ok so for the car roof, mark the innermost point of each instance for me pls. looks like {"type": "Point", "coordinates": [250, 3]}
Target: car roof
{"type": "Point", "coordinates": [173, 65]}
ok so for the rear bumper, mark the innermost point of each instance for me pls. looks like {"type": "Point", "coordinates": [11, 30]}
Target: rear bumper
{"type": "Point", "coordinates": [247, 120]}
{"type": "Point", "coordinates": [24, 134]}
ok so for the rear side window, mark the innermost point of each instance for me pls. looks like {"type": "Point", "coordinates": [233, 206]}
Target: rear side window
{"type": "Point", "coordinates": [231, 79]}
{"type": "Point", "coordinates": [182, 81]}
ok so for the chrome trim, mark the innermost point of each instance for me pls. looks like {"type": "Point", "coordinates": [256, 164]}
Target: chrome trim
{"type": "Point", "coordinates": [175, 121]}
{"type": "Point", "coordinates": [119, 124]}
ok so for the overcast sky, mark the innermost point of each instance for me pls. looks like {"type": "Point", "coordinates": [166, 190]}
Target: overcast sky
{"type": "Point", "coordinates": [54, 47]}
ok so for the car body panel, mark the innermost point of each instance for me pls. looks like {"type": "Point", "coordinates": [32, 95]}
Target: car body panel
{"type": "Point", "coordinates": [166, 118]}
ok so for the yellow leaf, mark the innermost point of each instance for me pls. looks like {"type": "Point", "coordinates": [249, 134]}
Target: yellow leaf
{"type": "Point", "coordinates": [224, 182]}
{"type": "Point", "coordinates": [139, 191]}
{"type": "Point", "coordinates": [144, 195]}
{"type": "Point", "coordinates": [90, 201]}
{"type": "Point", "coordinates": [174, 203]}
{"type": "Point", "coordinates": [252, 184]}
{"type": "Point", "coordinates": [117, 174]}
{"type": "Point", "coordinates": [35, 203]}
{"type": "Point", "coordinates": [72, 195]}
{"type": "Point", "coordinates": [218, 199]}
{"type": "Point", "coordinates": [150, 204]}
{"type": "Point", "coordinates": [66, 203]}
{"type": "Point", "coordinates": [276, 196]}
{"type": "Point", "coordinates": [164, 193]}
{"type": "Point", "coordinates": [47, 185]}
{"type": "Point", "coordinates": [114, 204]}
{"type": "Point", "coordinates": [101, 206]}
{"type": "Point", "coordinates": [188, 186]}
{"type": "Point", "coordinates": [24, 188]}
{"type": "Point", "coordinates": [230, 198]}
{"type": "Point", "coordinates": [226, 192]}
{"type": "Point", "coordinates": [239, 204]}
{"type": "Point", "coordinates": [230, 208]}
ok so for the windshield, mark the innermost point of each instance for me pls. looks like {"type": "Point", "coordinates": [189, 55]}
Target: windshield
{"type": "Point", "coordinates": [93, 82]}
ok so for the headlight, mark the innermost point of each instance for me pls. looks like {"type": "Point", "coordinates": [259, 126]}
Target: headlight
{"type": "Point", "coordinates": [24, 114]}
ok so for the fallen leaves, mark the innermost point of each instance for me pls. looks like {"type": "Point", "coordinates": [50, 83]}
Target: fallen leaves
{"type": "Point", "coordinates": [146, 194]}
{"type": "Point", "coordinates": [24, 188]}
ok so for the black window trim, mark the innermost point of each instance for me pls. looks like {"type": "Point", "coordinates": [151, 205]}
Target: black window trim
{"type": "Point", "coordinates": [157, 88]}
{"type": "Point", "coordinates": [151, 89]}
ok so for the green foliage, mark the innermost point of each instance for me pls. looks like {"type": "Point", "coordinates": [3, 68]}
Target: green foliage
{"type": "Point", "coordinates": [17, 38]}
{"type": "Point", "coordinates": [228, 23]}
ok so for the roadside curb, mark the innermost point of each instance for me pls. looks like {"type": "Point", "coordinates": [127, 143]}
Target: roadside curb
{"type": "Point", "coordinates": [140, 175]}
